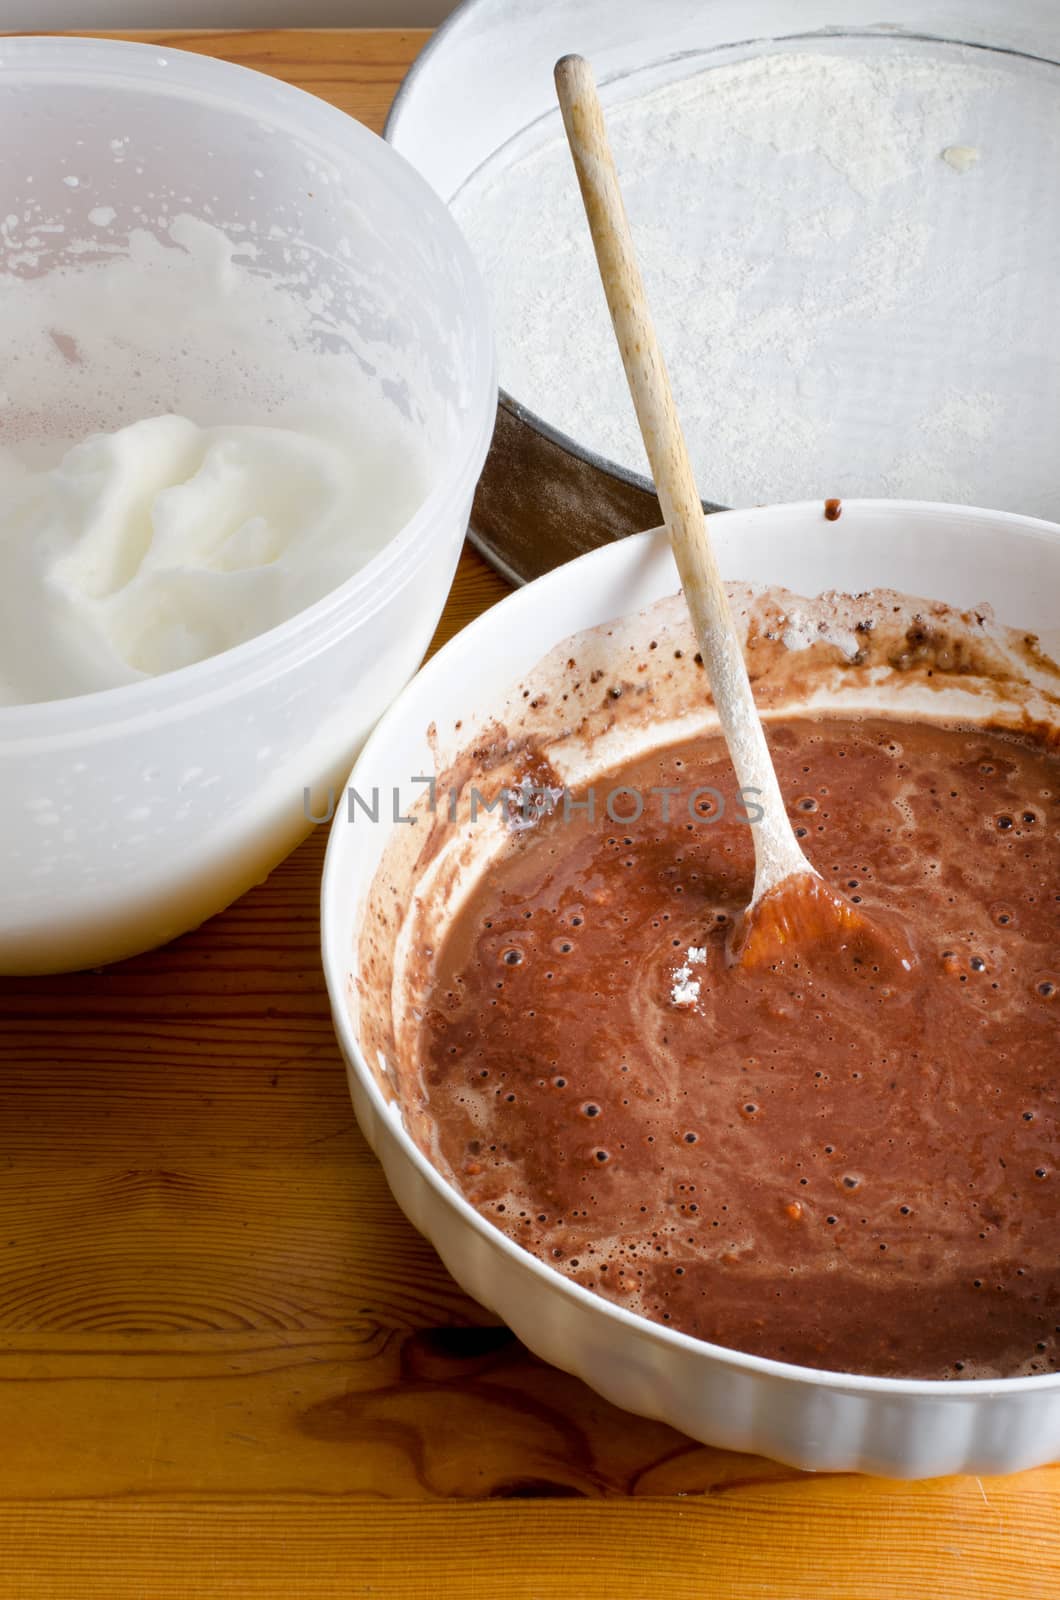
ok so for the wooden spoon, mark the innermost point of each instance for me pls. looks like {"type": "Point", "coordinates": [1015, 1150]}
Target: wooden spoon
{"type": "Point", "coordinates": [792, 907]}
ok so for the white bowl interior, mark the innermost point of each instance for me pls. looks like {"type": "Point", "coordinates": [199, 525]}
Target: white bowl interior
{"type": "Point", "coordinates": [961, 555]}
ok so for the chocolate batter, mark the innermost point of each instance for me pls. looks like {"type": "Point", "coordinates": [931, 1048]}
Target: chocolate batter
{"type": "Point", "coordinates": [820, 1162]}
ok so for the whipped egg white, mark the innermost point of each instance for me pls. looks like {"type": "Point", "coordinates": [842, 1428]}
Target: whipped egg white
{"type": "Point", "coordinates": [192, 451]}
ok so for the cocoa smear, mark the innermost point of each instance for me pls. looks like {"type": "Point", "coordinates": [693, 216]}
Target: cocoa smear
{"type": "Point", "coordinates": [622, 689]}
{"type": "Point", "coordinates": [820, 1163]}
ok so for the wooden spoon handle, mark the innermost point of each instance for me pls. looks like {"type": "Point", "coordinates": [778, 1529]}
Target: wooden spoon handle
{"type": "Point", "coordinates": [777, 853]}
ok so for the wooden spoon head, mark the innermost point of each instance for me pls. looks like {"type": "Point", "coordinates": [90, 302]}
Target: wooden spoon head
{"type": "Point", "coordinates": [802, 914]}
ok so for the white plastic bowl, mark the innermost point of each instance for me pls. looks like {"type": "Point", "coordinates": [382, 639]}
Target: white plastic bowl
{"type": "Point", "coordinates": [127, 817]}
{"type": "Point", "coordinates": [827, 1421]}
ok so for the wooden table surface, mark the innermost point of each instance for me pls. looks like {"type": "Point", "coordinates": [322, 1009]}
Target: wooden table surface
{"type": "Point", "coordinates": [228, 1366]}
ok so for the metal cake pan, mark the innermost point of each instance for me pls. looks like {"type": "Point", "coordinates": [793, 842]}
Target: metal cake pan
{"type": "Point", "coordinates": [485, 77]}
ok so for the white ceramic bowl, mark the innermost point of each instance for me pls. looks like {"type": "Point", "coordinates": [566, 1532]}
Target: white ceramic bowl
{"type": "Point", "coordinates": [826, 1421]}
{"type": "Point", "coordinates": [130, 815]}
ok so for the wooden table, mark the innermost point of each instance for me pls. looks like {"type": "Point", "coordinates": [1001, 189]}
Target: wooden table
{"type": "Point", "coordinates": [228, 1366]}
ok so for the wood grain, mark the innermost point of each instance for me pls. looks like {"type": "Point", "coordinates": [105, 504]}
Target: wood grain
{"type": "Point", "coordinates": [357, 70]}
{"type": "Point", "coordinates": [739, 1543]}
{"type": "Point", "coordinates": [228, 1366]}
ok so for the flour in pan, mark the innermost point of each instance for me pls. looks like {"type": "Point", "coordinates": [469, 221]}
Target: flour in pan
{"type": "Point", "coordinates": [845, 309]}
